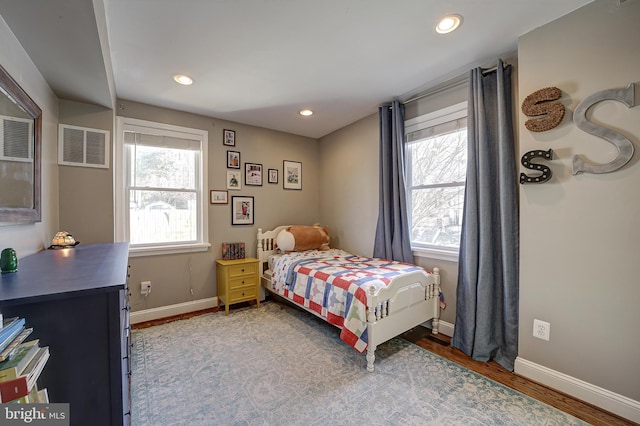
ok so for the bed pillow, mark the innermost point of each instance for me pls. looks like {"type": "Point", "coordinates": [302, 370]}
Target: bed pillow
{"type": "Point", "coordinates": [301, 237]}
{"type": "Point", "coordinates": [285, 241]}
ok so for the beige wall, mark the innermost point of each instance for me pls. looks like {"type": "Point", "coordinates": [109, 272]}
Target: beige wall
{"type": "Point", "coordinates": [182, 278]}
{"type": "Point", "coordinates": [27, 239]}
{"type": "Point", "coordinates": [580, 237]}
{"type": "Point", "coordinates": [86, 203]}
{"type": "Point", "coordinates": [349, 185]}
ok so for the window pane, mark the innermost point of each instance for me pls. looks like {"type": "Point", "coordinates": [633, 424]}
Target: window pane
{"type": "Point", "coordinates": [439, 159]}
{"type": "Point", "coordinates": [162, 217]}
{"type": "Point", "coordinates": [162, 167]}
{"type": "Point", "coordinates": [437, 216]}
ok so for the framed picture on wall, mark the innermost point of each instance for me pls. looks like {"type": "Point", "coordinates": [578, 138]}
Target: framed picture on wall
{"type": "Point", "coordinates": [242, 210]}
{"type": "Point", "coordinates": [233, 160]}
{"type": "Point", "coordinates": [218, 197]}
{"type": "Point", "coordinates": [273, 175]}
{"type": "Point", "coordinates": [234, 179]}
{"type": "Point", "coordinates": [253, 174]}
{"type": "Point", "coordinates": [229, 137]}
{"type": "Point", "coordinates": [292, 174]}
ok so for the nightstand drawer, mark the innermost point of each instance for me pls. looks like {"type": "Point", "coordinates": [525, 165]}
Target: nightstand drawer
{"type": "Point", "coordinates": [242, 294]}
{"type": "Point", "coordinates": [238, 282]}
{"type": "Point", "coordinates": [243, 269]}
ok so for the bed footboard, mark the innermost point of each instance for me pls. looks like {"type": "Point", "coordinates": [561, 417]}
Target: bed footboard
{"type": "Point", "coordinates": [405, 303]}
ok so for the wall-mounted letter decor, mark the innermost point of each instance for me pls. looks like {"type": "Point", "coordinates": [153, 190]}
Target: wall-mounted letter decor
{"type": "Point", "coordinates": [624, 145]}
{"type": "Point", "coordinates": [545, 172]}
{"type": "Point", "coordinates": [538, 104]}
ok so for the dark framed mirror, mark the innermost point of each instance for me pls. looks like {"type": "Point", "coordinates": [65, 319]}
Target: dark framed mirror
{"type": "Point", "coordinates": [20, 153]}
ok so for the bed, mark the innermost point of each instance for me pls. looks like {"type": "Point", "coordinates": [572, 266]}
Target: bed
{"type": "Point", "coordinates": [370, 300]}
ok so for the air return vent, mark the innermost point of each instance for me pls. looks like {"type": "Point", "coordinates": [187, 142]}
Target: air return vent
{"type": "Point", "coordinates": [83, 147]}
{"type": "Point", "coordinates": [16, 136]}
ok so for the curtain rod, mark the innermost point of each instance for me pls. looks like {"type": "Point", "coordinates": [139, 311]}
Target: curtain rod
{"type": "Point", "coordinates": [455, 82]}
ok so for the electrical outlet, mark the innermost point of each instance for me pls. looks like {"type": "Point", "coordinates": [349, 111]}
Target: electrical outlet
{"type": "Point", "coordinates": [145, 288]}
{"type": "Point", "coordinates": [541, 329]}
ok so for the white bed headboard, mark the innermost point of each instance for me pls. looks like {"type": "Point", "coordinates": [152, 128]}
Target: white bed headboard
{"type": "Point", "coordinates": [267, 245]}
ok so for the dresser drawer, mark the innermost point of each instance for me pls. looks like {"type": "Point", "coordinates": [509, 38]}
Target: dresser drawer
{"type": "Point", "coordinates": [242, 269]}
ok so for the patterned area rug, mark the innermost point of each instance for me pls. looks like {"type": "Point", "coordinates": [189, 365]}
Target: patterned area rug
{"type": "Point", "coordinates": [278, 366]}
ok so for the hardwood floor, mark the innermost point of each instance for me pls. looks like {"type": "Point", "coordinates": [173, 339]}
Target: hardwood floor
{"type": "Point", "coordinates": [440, 345]}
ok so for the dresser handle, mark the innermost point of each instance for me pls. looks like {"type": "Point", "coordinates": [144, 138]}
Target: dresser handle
{"type": "Point", "coordinates": [243, 270]}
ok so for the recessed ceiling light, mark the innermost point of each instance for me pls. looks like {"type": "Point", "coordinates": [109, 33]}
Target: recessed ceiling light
{"type": "Point", "coordinates": [448, 24]}
{"type": "Point", "coordinates": [183, 79]}
{"type": "Point", "coordinates": [306, 112]}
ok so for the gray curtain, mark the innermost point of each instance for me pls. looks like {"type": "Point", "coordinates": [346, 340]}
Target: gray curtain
{"type": "Point", "coordinates": [392, 232]}
{"type": "Point", "coordinates": [487, 294]}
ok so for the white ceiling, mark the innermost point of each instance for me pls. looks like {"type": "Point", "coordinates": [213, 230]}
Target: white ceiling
{"type": "Point", "coordinates": [260, 61]}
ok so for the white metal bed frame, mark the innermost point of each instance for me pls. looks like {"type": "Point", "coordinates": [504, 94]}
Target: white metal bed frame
{"type": "Point", "coordinates": [409, 300]}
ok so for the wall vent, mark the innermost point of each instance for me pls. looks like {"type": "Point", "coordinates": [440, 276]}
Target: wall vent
{"type": "Point", "coordinates": [16, 139]}
{"type": "Point", "coordinates": [83, 147]}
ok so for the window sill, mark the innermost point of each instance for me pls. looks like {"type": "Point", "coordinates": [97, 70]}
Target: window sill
{"type": "Point", "coordinates": [431, 253]}
{"type": "Point", "coordinates": [155, 251]}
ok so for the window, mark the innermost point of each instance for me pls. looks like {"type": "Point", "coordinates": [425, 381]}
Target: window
{"type": "Point", "coordinates": [160, 202]}
{"type": "Point", "coordinates": [436, 157]}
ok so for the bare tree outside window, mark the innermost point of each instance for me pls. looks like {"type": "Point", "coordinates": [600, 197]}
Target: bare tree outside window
{"type": "Point", "coordinates": [436, 178]}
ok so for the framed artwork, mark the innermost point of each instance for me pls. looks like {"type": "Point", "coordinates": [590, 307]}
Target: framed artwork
{"type": "Point", "coordinates": [234, 179]}
{"type": "Point", "coordinates": [273, 175]}
{"type": "Point", "coordinates": [229, 137]}
{"type": "Point", "coordinates": [233, 160]}
{"type": "Point", "coordinates": [292, 174]}
{"type": "Point", "coordinates": [242, 210]}
{"type": "Point", "coordinates": [253, 174]}
{"type": "Point", "coordinates": [218, 197]}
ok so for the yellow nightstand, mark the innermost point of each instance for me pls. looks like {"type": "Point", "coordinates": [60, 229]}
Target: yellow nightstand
{"type": "Point", "coordinates": [238, 281]}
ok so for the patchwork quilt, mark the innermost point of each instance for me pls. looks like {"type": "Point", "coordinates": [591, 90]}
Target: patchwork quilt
{"type": "Point", "coordinates": [334, 285]}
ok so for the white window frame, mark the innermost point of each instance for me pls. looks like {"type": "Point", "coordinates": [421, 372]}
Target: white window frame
{"type": "Point", "coordinates": [425, 121]}
{"type": "Point", "coordinates": [121, 204]}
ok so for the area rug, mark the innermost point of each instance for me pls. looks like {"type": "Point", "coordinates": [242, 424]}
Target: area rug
{"type": "Point", "coordinates": [276, 365]}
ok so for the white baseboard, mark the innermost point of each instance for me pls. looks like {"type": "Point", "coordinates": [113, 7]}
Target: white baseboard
{"type": "Point", "coordinates": [177, 309]}
{"type": "Point", "coordinates": [600, 397]}
{"type": "Point", "coordinates": [444, 327]}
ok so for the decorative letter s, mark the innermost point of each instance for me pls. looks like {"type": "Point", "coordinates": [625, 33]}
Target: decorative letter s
{"type": "Point", "coordinates": [545, 172]}
{"type": "Point", "coordinates": [624, 145]}
{"type": "Point", "coordinates": [537, 104]}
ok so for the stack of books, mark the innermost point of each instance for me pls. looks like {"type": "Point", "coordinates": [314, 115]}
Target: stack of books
{"type": "Point", "coordinates": [21, 363]}
{"type": "Point", "coordinates": [232, 251]}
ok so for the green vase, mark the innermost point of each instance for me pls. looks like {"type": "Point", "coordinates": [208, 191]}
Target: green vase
{"type": "Point", "coordinates": [8, 261]}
